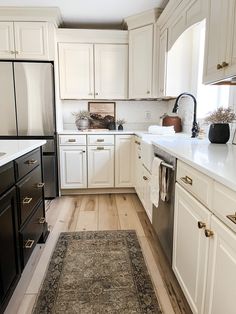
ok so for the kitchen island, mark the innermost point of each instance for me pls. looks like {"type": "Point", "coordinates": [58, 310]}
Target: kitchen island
{"type": "Point", "coordinates": [22, 209]}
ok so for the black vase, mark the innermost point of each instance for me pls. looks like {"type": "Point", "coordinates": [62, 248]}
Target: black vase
{"type": "Point", "coordinates": [219, 133]}
{"type": "Point", "coordinates": [120, 127]}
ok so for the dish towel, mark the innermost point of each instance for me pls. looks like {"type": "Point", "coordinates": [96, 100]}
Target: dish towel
{"type": "Point", "coordinates": [155, 181]}
{"type": "Point", "coordinates": [161, 130]}
{"type": "Point", "coordinates": [165, 178]}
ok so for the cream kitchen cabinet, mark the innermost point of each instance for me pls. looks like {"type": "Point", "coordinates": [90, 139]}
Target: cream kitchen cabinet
{"type": "Point", "coordinates": [124, 161]}
{"type": "Point", "coordinates": [141, 62]}
{"type": "Point", "coordinates": [93, 71]}
{"type": "Point", "coordinates": [100, 166]}
{"type": "Point", "coordinates": [146, 192]}
{"type": "Point", "coordinates": [137, 165]}
{"type": "Point", "coordinates": [162, 62]}
{"type": "Point", "coordinates": [24, 40]}
{"type": "Point", "coordinates": [190, 247]}
{"type": "Point", "coordinates": [73, 166]}
{"type": "Point", "coordinates": [220, 49]}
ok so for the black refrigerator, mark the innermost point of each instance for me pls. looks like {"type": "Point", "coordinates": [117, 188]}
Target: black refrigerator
{"type": "Point", "coordinates": [27, 111]}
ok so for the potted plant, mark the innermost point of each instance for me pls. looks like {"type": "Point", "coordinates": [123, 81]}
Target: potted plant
{"type": "Point", "coordinates": [120, 123]}
{"type": "Point", "coordinates": [82, 119]}
{"type": "Point", "coordinates": [219, 129]}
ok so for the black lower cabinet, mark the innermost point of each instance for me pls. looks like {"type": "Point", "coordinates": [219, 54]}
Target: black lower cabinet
{"type": "Point", "coordinates": [9, 247]}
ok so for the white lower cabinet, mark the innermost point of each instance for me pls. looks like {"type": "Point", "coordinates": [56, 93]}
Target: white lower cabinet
{"type": "Point", "coordinates": [190, 247]}
{"type": "Point", "coordinates": [100, 166]}
{"type": "Point", "coordinates": [137, 166]}
{"type": "Point", "coordinates": [73, 167]}
{"type": "Point", "coordinates": [204, 256]}
{"type": "Point", "coordinates": [124, 161]}
{"type": "Point", "coordinates": [146, 192]}
{"type": "Point", "coordinates": [221, 279]}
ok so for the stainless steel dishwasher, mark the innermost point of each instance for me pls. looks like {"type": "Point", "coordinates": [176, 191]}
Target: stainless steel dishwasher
{"type": "Point", "coordinates": [163, 215]}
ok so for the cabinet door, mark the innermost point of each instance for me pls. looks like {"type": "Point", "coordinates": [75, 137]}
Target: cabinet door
{"type": "Point", "coordinates": [31, 40]}
{"type": "Point", "coordinates": [162, 63]}
{"type": "Point", "coordinates": [221, 292]}
{"type": "Point", "coordinates": [140, 62]}
{"type": "Point", "coordinates": [73, 167]}
{"type": "Point", "coordinates": [7, 48]}
{"type": "Point", "coordinates": [9, 257]}
{"type": "Point", "coordinates": [190, 248]}
{"type": "Point", "coordinates": [216, 40]}
{"type": "Point", "coordinates": [230, 70]}
{"type": "Point", "coordinates": [76, 71]}
{"type": "Point", "coordinates": [146, 200]}
{"type": "Point", "coordinates": [137, 167]}
{"type": "Point", "coordinates": [111, 71]}
{"type": "Point", "coordinates": [124, 161]}
{"type": "Point", "coordinates": [100, 166]}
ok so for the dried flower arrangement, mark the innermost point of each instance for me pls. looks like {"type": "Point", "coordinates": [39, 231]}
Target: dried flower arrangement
{"type": "Point", "coordinates": [221, 115]}
{"type": "Point", "coordinates": [120, 121]}
{"type": "Point", "coordinates": [82, 114]}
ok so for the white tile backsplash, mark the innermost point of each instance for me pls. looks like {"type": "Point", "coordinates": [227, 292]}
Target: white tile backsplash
{"type": "Point", "coordinates": [138, 114]}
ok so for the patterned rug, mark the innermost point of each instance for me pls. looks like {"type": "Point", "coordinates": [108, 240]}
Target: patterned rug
{"type": "Point", "coordinates": [97, 272]}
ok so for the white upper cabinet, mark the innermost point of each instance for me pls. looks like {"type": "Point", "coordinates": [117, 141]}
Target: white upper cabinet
{"type": "Point", "coordinates": [111, 71]}
{"type": "Point", "coordinates": [76, 71]}
{"type": "Point", "coordinates": [124, 161]}
{"type": "Point", "coordinates": [141, 62]}
{"type": "Point", "coordinates": [89, 71]}
{"type": "Point", "coordinates": [24, 40]}
{"type": "Point", "coordinates": [220, 49]}
{"type": "Point", "coordinates": [221, 292]}
{"type": "Point", "coordinates": [6, 40]}
{"type": "Point", "coordinates": [162, 63]}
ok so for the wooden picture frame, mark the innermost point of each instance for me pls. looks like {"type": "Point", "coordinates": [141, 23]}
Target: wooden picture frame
{"type": "Point", "coordinates": [102, 114]}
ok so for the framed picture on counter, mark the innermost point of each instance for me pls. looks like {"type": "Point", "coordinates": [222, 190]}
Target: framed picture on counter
{"type": "Point", "coordinates": [234, 138]}
{"type": "Point", "coordinates": [103, 114]}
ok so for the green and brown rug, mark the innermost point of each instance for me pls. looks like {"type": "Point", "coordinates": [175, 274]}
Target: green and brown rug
{"type": "Point", "coordinates": [97, 272]}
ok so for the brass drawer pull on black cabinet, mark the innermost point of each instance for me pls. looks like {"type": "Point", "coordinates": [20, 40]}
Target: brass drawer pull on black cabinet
{"type": "Point", "coordinates": [31, 162]}
{"type": "Point", "coordinates": [29, 244]}
{"type": "Point", "coordinates": [40, 185]}
{"type": "Point", "coordinates": [27, 200]}
{"type": "Point", "coordinates": [42, 220]}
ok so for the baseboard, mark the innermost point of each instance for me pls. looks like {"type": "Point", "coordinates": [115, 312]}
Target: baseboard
{"type": "Point", "coordinates": [97, 191]}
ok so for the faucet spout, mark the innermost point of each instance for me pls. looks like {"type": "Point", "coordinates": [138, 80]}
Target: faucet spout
{"type": "Point", "coordinates": [195, 129]}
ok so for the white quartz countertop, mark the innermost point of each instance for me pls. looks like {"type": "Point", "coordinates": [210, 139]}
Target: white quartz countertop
{"type": "Point", "coordinates": [215, 160]}
{"type": "Point", "coordinates": [74, 132]}
{"type": "Point", "coordinates": [16, 148]}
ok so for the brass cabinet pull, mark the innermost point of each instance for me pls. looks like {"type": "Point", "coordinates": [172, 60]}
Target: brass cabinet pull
{"type": "Point", "coordinates": [219, 66]}
{"type": "Point", "coordinates": [12, 52]}
{"type": "Point", "coordinates": [148, 92]}
{"type": "Point", "coordinates": [27, 200]}
{"type": "Point", "coordinates": [83, 151]}
{"type": "Point", "coordinates": [145, 178]}
{"type": "Point", "coordinates": [187, 180]}
{"type": "Point", "coordinates": [100, 140]}
{"type": "Point", "coordinates": [201, 225]}
{"type": "Point", "coordinates": [32, 161]}
{"type": "Point", "coordinates": [90, 94]}
{"type": "Point", "coordinates": [71, 140]}
{"type": "Point", "coordinates": [232, 218]}
{"type": "Point", "coordinates": [29, 244]}
{"type": "Point", "coordinates": [209, 233]}
{"type": "Point", "coordinates": [16, 52]}
{"type": "Point", "coordinates": [100, 148]}
{"type": "Point", "coordinates": [96, 94]}
{"type": "Point", "coordinates": [42, 220]}
{"type": "Point", "coordinates": [138, 143]}
{"type": "Point", "coordinates": [139, 157]}
{"type": "Point", "coordinates": [40, 185]}
{"type": "Point", "coordinates": [224, 64]}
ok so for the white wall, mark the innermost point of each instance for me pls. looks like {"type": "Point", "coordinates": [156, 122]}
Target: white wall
{"type": "Point", "coordinates": [138, 114]}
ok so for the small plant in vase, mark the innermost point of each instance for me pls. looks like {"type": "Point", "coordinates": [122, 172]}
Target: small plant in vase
{"type": "Point", "coordinates": [219, 120]}
{"type": "Point", "coordinates": [120, 123]}
{"type": "Point", "coordinates": [82, 119]}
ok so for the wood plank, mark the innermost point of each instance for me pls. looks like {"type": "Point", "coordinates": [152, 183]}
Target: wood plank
{"type": "Point", "coordinates": [88, 214]}
{"type": "Point", "coordinates": [108, 218]}
{"type": "Point", "coordinates": [137, 203]}
{"type": "Point", "coordinates": [127, 214]}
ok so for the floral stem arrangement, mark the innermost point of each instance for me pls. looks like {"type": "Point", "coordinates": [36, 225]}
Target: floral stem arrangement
{"type": "Point", "coordinates": [120, 123]}
{"type": "Point", "coordinates": [82, 119]}
{"type": "Point", "coordinates": [219, 119]}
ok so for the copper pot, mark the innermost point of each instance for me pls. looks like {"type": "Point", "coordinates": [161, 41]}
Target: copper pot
{"type": "Point", "coordinates": [173, 120]}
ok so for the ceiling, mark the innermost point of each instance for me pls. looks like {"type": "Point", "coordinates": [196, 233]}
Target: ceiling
{"type": "Point", "coordinates": [86, 13]}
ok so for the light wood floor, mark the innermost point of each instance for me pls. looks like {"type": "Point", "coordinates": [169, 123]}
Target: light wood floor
{"type": "Point", "coordinates": [98, 212]}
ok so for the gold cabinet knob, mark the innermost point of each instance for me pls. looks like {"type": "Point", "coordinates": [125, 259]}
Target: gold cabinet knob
{"type": "Point", "coordinates": [201, 225]}
{"type": "Point", "coordinates": [219, 66]}
{"type": "Point", "coordinates": [148, 92]}
{"type": "Point", "coordinates": [209, 233]}
{"type": "Point", "coordinates": [145, 178]}
{"type": "Point", "coordinates": [96, 94]}
{"type": "Point", "coordinates": [224, 64]}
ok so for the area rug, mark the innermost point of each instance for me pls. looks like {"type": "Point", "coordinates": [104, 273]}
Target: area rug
{"type": "Point", "coordinates": [97, 272]}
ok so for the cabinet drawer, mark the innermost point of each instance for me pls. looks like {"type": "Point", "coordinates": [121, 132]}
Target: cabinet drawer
{"type": "Point", "coordinates": [72, 139]}
{"type": "Point", "coordinates": [27, 163]}
{"type": "Point", "coordinates": [224, 204]}
{"type": "Point", "coordinates": [7, 177]}
{"type": "Point", "coordinates": [30, 234]}
{"type": "Point", "coordinates": [100, 139]}
{"type": "Point", "coordinates": [30, 193]}
{"type": "Point", "coordinates": [196, 183]}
